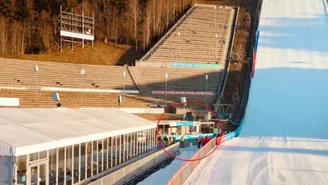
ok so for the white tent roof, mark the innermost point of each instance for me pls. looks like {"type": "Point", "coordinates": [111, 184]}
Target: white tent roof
{"type": "Point", "coordinates": [24, 131]}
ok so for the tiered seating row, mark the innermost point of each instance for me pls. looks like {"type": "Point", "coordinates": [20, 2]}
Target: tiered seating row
{"type": "Point", "coordinates": [179, 79]}
{"type": "Point", "coordinates": [52, 74]}
{"type": "Point", "coordinates": [75, 99]}
{"type": "Point", "coordinates": [202, 37]}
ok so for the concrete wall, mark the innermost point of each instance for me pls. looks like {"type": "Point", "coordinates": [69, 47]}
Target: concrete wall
{"type": "Point", "coordinates": [127, 172]}
{"type": "Point", "coordinates": [184, 172]}
{"type": "Point", "coordinates": [182, 175]}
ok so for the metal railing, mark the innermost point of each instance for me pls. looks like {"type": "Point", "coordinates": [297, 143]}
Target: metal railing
{"type": "Point", "coordinates": [224, 74]}
{"type": "Point", "coordinates": [126, 173]}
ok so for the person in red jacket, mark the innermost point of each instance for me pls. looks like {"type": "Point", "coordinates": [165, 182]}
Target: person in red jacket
{"type": "Point", "coordinates": [206, 140]}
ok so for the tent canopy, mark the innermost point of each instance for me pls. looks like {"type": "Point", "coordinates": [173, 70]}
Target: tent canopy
{"type": "Point", "coordinates": [29, 130]}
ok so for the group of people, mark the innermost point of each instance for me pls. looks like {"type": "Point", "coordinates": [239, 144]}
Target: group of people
{"type": "Point", "coordinates": [167, 140]}
{"type": "Point", "coordinates": [202, 141]}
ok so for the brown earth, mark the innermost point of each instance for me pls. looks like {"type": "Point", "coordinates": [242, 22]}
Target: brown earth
{"type": "Point", "coordinates": [228, 127]}
{"type": "Point", "coordinates": [100, 53]}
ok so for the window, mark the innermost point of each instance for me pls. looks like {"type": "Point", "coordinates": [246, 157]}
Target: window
{"type": "Point", "coordinates": [95, 157]}
{"type": "Point", "coordinates": [69, 171]}
{"type": "Point", "coordinates": [34, 156]}
{"type": "Point", "coordinates": [21, 170]}
{"type": "Point", "coordinates": [76, 162]}
{"type": "Point", "coordinates": [61, 165]}
{"type": "Point", "coordinates": [89, 162]}
{"type": "Point", "coordinates": [105, 156]}
{"type": "Point", "coordinates": [83, 162]}
{"type": "Point", "coordinates": [52, 165]}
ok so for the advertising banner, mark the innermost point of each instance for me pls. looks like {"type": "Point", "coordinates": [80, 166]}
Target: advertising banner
{"type": "Point", "coordinates": [195, 65]}
{"type": "Point", "coordinates": [183, 92]}
{"type": "Point", "coordinates": [185, 123]}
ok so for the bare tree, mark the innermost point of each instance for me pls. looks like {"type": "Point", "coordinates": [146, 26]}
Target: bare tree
{"type": "Point", "coordinates": [3, 35]}
{"type": "Point", "coordinates": [134, 7]}
{"type": "Point", "coordinates": [31, 25]}
{"type": "Point", "coordinates": [106, 18]}
{"type": "Point", "coordinates": [154, 16]}
{"type": "Point", "coordinates": [148, 15]}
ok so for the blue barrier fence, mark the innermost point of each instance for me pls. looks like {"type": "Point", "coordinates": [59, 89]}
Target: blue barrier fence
{"type": "Point", "coordinates": [191, 137]}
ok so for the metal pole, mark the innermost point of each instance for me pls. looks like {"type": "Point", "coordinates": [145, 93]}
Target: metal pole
{"type": "Point", "coordinates": [166, 76]}
{"type": "Point", "coordinates": [72, 29]}
{"type": "Point", "coordinates": [82, 72]}
{"type": "Point", "coordinates": [61, 28]}
{"type": "Point", "coordinates": [36, 69]}
{"type": "Point", "coordinates": [81, 89]}
{"type": "Point", "coordinates": [82, 27]}
{"type": "Point", "coordinates": [216, 36]}
{"type": "Point", "coordinates": [123, 75]}
{"type": "Point", "coordinates": [206, 78]}
{"type": "Point", "coordinates": [215, 18]}
{"type": "Point", "coordinates": [93, 26]}
{"type": "Point", "coordinates": [179, 44]}
{"type": "Point", "coordinates": [36, 87]}
{"type": "Point", "coordinates": [216, 45]}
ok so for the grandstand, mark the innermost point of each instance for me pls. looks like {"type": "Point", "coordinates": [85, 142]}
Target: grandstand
{"type": "Point", "coordinates": [98, 87]}
{"type": "Point", "coordinates": [179, 80]}
{"type": "Point", "coordinates": [189, 61]}
{"type": "Point", "coordinates": [202, 35]}
{"type": "Point", "coordinates": [201, 54]}
{"type": "Point", "coordinates": [196, 46]}
{"type": "Point", "coordinates": [75, 99]}
{"type": "Point", "coordinates": [17, 73]}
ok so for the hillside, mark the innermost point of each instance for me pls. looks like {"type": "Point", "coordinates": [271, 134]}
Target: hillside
{"type": "Point", "coordinates": [29, 29]}
{"type": "Point", "coordinates": [101, 54]}
{"type": "Point", "coordinates": [32, 26]}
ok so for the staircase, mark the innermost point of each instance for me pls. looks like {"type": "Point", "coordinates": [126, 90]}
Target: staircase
{"type": "Point", "coordinates": [141, 85]}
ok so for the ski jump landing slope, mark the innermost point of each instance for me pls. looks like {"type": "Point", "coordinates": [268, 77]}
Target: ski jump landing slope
{"type": "Point", "coordinates": [284, 139]}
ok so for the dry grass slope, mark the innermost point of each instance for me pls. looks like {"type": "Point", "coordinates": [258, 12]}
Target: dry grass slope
{"type": "Point", "coordinates": [100, 53]}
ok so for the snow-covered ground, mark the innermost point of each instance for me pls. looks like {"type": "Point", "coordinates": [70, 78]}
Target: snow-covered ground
{"type": "Point", "coordinates": [284, 139]}
{"type": "Point", "coordinates": [163, 175]}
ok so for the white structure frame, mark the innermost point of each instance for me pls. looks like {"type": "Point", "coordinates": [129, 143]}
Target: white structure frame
{"type": "Point", "coordinates": [72, 160]}
{"type": "Point", "coordinates": [75, 28]}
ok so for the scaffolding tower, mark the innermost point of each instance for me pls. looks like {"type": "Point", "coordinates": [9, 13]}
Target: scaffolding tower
{"type": "Point", "coordinates": [75, 28]}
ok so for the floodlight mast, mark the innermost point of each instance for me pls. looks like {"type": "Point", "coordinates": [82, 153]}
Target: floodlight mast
{"type": "Point", "coordinates": [36, 70]}
{"type": "Point", "coordinates": [166, 77]}
{"type": "Point", "coordinates": [123, 76]}
{"type": "Point", "coordinates": [82, 72]}
{"type": "Point", "coordinates": [206, 78]}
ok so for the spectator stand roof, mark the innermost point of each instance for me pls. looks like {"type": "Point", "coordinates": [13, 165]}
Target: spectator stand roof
{"type": "Point", "coordinates": [29, 130]}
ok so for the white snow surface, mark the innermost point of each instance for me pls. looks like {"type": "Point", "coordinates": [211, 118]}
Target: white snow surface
{"type": "Point", "coordinates": [163, 175]}
{"type": "Point", "coordinates": [284, 139]}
